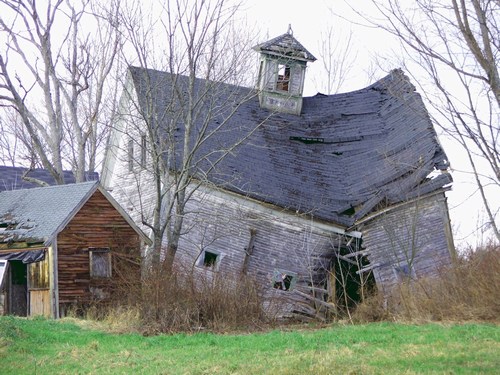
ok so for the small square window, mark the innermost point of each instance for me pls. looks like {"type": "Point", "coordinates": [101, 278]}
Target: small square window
{"type": "Point", "coordinates": [404, 272]}
{"type": "Point", "coordinates": [284, 280]}
{"type": "Point", "coordinates": [209, 259]}
{"type": "Point", "coordinates": [100, 262]}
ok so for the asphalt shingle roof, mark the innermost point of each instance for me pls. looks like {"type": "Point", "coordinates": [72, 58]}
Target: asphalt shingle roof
{"type": "Point", "coordinates": [36, 215]}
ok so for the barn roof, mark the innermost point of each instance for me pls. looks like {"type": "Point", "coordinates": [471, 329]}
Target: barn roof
{"type": "Point", "coordinates": [38, 215]}
{"type": "Point", "coordinates": [11, 178]}
{"type": "Point", "coordinates": [345, 155]}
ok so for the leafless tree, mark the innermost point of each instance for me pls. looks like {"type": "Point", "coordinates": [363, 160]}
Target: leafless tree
{"type": "Point", "coordinates": [455, 45]}
{"type": "Point", "coordinates": [337, 58]}
{"type": "Point", "coordinates": [53, 72]}
{"type": "Point", "coordinates": [170, 113]}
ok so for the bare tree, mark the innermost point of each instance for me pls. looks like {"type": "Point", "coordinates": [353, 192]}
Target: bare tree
{"type": "Point", "coordinates": [337, 59]}
{"type": "Point", "coordinates": [172, 114]}
{"type": "Point", "coordinates": [455, 45]}
{"type": "Point", "coordinates": [53, 72]}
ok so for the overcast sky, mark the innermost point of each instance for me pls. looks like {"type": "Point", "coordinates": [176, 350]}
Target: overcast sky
{"type": "Point", "coordinates": [308, 20]}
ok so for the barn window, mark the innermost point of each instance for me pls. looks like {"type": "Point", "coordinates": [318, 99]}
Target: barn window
{"type": "Point", "coordinates": [130, 151]}
{"type": "Point", "coordinates": [404, 272]}
{"type": "Point", "coordinates": [209, 259]}
{"type": "Point", "coordinates": [143, 151]}
{"type": "Point", "coordinates": [284, 280]}
{"type": "Point", "coordinates": [283, 77]}
{"type": "Point", "coordinates": [100, 262]}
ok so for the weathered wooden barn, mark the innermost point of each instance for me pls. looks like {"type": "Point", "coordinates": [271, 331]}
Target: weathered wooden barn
{"type": "Point", "coordinates": [316, 197]}
{"type": "Point", "coordinates": [61, 246]}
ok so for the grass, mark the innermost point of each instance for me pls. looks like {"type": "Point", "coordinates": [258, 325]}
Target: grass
{"type": "Point", "coordinates": [29, 346]}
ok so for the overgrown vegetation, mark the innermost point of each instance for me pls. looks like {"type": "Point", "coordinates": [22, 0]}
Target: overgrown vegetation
{"type": "Point", "coordinates": [40, 346]}
{"type": "Point", "coordinates": [187, 299]}
{"type": "Point", "coordinates": [466, 291]}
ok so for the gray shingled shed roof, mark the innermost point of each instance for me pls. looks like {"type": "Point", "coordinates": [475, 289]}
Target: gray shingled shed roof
{"type": "Point", "coordinates": [39, 214]}
{"type": "Point", "coordinates": [341, 158]}
{"type": "Point", "coordinates": [11, 178]}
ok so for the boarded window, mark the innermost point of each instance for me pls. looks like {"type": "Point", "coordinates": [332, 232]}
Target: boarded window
{"type": "Point", "coordinates": [284, 280]}
{"type": "Point", "coordinates": [100, 262]}
{"type": "Point", "coordinates": [39, 274]}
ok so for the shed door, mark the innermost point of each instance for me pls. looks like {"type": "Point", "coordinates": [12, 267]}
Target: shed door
{"type": "Point", "coordinates": [39, 288]}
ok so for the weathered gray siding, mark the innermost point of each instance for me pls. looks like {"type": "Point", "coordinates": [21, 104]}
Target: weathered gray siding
{"type": "Point", "coordinates": [415, 235]}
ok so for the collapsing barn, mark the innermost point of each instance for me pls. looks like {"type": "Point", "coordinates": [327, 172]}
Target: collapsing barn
{"type": "Point", "coordinates": [61, 246]}
{"type": "Point", "coordinates": [317, 196]}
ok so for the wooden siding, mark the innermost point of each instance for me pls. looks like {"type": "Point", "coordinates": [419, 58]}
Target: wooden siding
{"type": "Point", "coordinates": [96, 225]}
{"type": "Point", "coordinates": [415, 235]}
{"type": "Point", "coordinates": [40, 302]}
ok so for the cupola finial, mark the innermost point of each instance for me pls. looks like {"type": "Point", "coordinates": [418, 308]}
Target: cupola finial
{"type": "Point", "coordinates": [290, 31]}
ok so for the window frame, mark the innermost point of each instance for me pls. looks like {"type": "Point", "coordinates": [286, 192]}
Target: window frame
{"type": "Point", "coordinates": [280, 275]}
{"type": "Point", "coordinates": [214, 266]}
{"type": "Point", "coordinates": [283, 79]}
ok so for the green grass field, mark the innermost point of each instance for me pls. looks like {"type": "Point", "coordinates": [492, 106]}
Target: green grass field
{"type": "Point", "coordinates": [39, 346]}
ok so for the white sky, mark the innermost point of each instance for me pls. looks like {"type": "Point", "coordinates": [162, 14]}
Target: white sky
{"type": "Point", "coordinates": [308, 19]}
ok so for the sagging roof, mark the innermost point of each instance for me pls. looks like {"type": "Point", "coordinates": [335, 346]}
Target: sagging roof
{"type": "Point", "coordinates": [11, 178]}
{"type": "Point", "coordinates": [342, 157]}
{"type": "Point", "coordinates": [37, 215]}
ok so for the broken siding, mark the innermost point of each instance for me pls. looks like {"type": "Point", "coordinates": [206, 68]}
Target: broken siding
{"type": "Point", "coordinates": [414, 237]}
{"type": "Point", "coordinates": [222, 223]}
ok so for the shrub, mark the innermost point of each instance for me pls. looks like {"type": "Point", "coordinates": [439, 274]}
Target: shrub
{"type": "Point", "coordinates": [468, 290]}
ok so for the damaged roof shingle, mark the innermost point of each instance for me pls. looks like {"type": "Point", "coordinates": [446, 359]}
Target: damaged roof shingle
{"type": "Point", "coordinates": [350, 150]}
{"type": "Point", "coordinates": [36, 215]}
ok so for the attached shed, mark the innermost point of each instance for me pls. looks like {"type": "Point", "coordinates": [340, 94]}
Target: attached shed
{"type": "Point", "coordinates": [62, 246]}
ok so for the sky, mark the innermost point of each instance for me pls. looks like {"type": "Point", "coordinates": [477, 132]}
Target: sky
{"type": "Point", "coordinates": [308, 20]}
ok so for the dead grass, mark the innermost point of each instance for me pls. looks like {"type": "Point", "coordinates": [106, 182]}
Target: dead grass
{"type": "Point", "coordinates": [186, 299]}
{"type": "Point", "coordinates": [469, 290]}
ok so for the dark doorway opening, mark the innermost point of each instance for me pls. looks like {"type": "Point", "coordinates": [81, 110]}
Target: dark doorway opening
{"type": "Point", "coordinates": [18, 288]}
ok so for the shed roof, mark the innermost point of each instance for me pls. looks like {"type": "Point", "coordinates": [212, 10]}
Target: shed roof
{"type": "Point", "coordinates": [344, 155]}
{"type": "Point", "coordinates": [37, 215]}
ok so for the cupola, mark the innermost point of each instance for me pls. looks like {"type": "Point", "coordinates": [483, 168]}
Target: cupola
{"type": "Point", "coordinates": [283, 62]}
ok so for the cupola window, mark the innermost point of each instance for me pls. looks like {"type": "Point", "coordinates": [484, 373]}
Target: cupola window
{"type": "Point", "coordinates": [283, 77]}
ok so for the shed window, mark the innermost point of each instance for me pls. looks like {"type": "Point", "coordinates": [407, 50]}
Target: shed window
{"type": "Point", "coordinates": [284, 280]}
{"type": "Point", "coordinates": [100, 262]}
{"type": "Point", "coordinates": [3, 269]}
{"type": "Point", "coordinates": [283, 77]}
{"type": "Point", "coordinates": [209, 259]}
